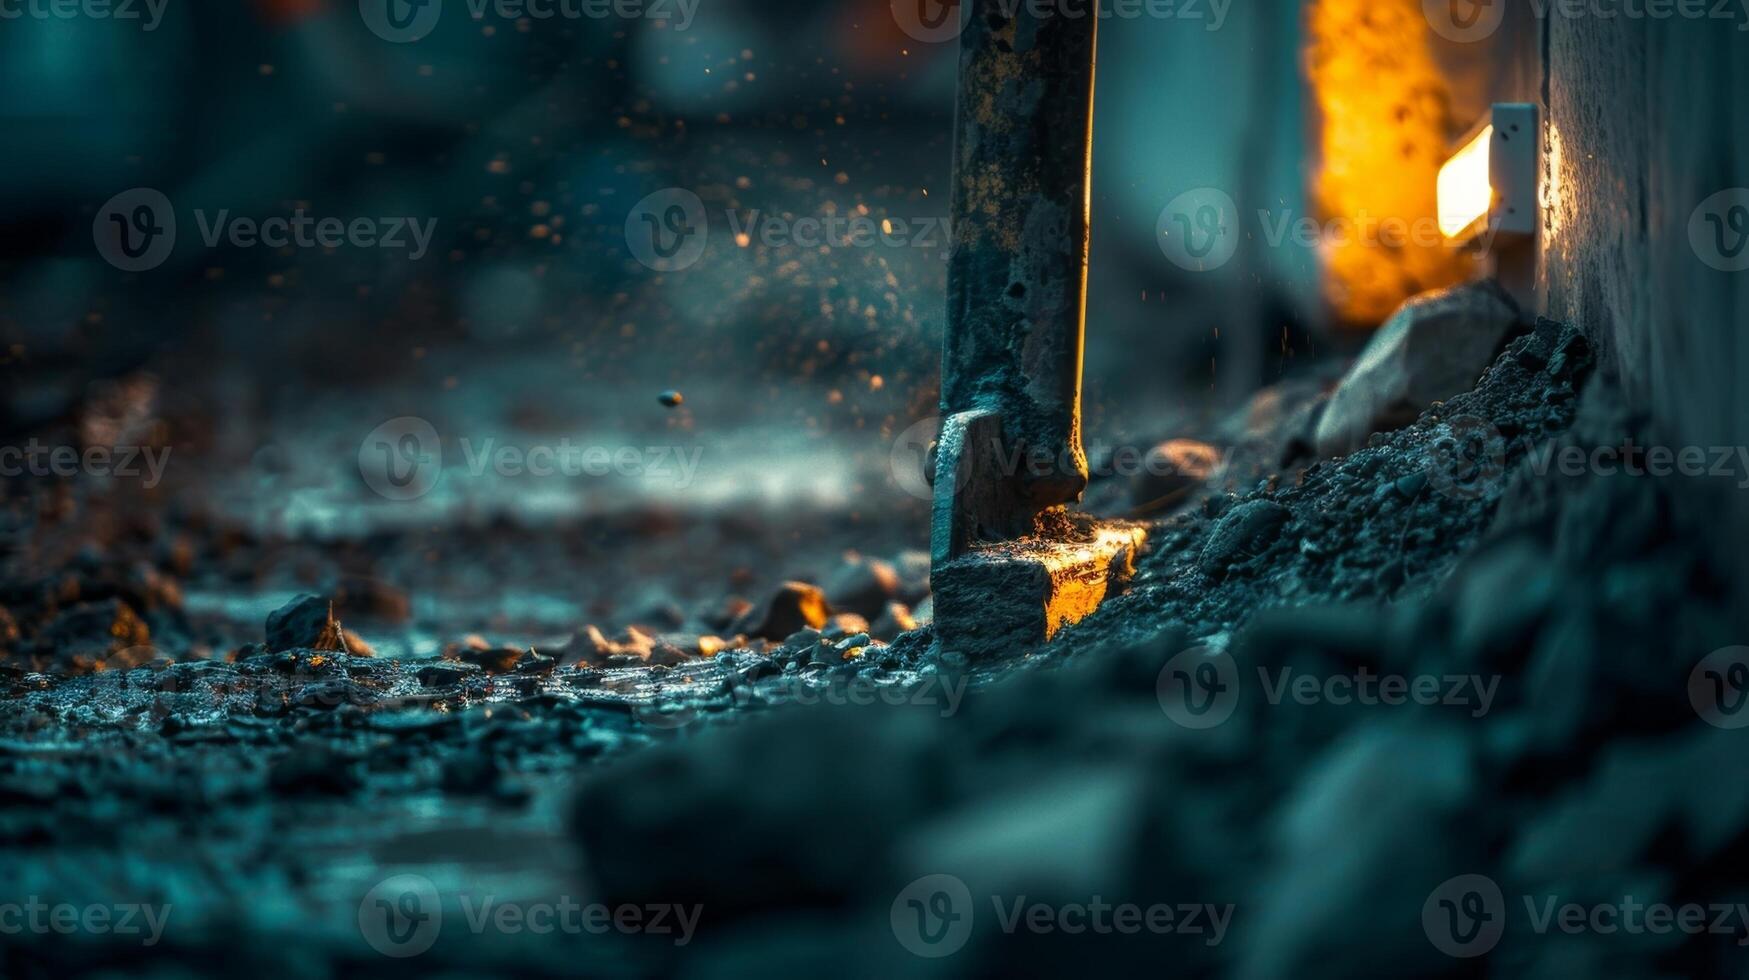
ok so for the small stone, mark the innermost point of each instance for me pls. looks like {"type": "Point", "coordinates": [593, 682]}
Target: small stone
{"type": "Point", "coordinates": [299, 624]}
{"type": "Point", "coordinates": [801, 639]}
{"type": "Point", "coordinates": [793, 606]}
{"type": "Point", "coordinates": [1246, 531]}
{"type": "Point", "coordinates": [862, 585]}
{"type": "Point", "coordinates": [1410, 487]}
{"type": "Point", "coordinates": [495, 661]}
{"type": "Point", "coordinates": [445, 674]}
{"type": "Point", "coordinates": [1172, 470]}
{"type": "Point", "coordinates": [845, 624]}
{"type": "Point", "coordinates": [895, 620]}
{"type": "Point", "coordinates": [534, 664]}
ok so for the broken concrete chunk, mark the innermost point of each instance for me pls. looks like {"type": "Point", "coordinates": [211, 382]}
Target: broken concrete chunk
{"type": "Point", "coordinates": [1246, 530]}
{"type": "Point", "coordinates": [794, 606]}
{"type": "Point", "coordinates": [1433, 348]}
{"type": "Point", "coordinates": [1007, 598]}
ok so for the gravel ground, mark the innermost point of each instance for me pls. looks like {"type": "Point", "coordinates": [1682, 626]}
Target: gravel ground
{"type": "Point", "coordinates": [822, 802]}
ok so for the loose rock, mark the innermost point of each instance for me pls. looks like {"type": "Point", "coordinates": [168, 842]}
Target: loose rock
{"type": "Point", "coordinates": [795, 605]}
{"type": "Point", "coordinates": [1433, 348]}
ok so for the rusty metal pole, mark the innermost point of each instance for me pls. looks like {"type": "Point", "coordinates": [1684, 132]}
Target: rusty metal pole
{"type": "Point", "coordinates": [1007, 575]}
{"type": "Point", "coordinates": [1017, 282]}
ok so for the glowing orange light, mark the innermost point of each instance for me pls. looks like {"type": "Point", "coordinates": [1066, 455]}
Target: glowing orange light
{"type": "Point", "coordinates": [1384, 129]}
{"type": "Point", "coordinates": [1465, 194]}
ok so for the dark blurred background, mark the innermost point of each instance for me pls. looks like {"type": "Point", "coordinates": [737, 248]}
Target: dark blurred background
{"type": "Point", "coordinates": [529, 141]}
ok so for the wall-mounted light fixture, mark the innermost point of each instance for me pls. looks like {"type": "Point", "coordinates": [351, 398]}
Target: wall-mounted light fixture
{"type": "Point", "coordinates": [1488, 187]}
{"type": "Point", "coordinates": [1488, 194]}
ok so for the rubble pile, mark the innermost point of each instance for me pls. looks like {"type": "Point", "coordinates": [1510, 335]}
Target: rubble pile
{"type": "Point", "coordinates": [1324, 699]}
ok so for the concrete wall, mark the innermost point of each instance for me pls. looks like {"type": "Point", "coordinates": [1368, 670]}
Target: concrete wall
{"type": "Point", "coordinates": [1646, 121]}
